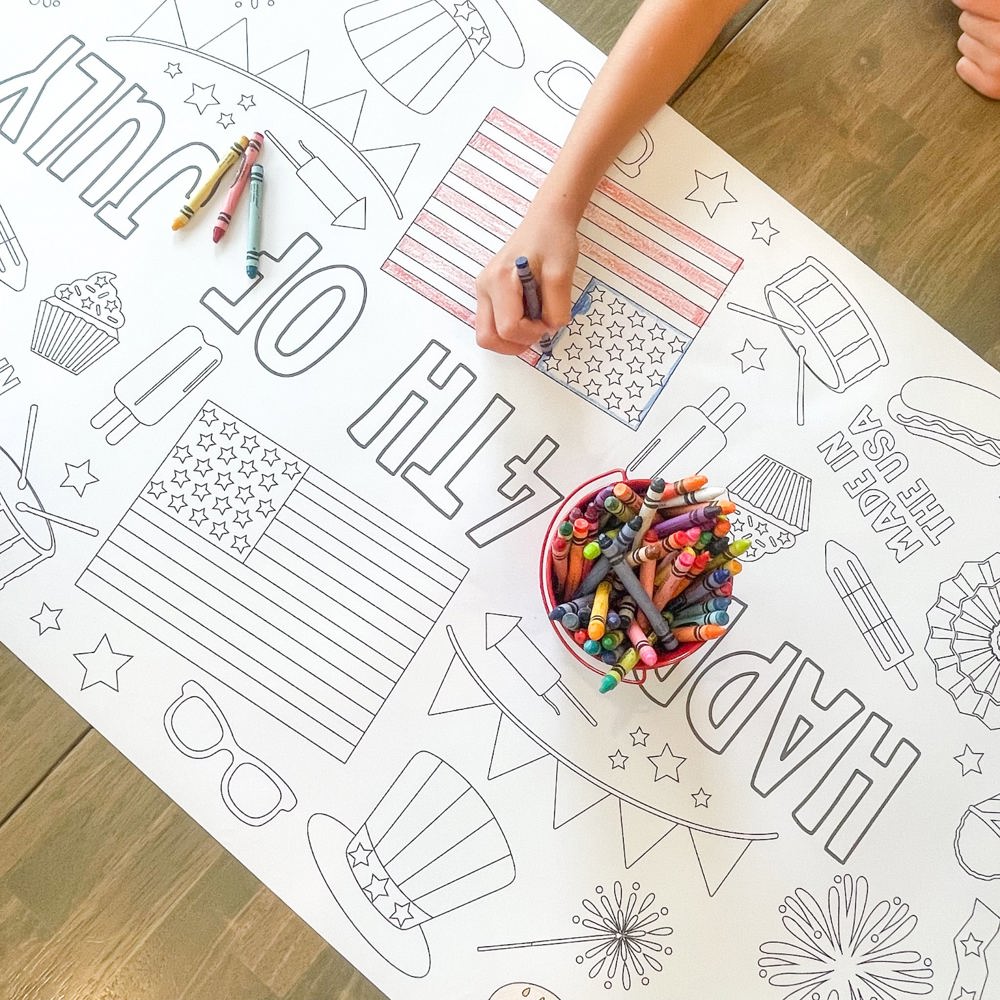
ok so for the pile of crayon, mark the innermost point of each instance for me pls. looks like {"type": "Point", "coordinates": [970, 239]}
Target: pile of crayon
{"type": "Point", "coordinates": [639, 569]}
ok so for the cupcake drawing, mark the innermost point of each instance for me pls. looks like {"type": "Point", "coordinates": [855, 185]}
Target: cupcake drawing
{"type": "Point", "coordinates": [79, 323]}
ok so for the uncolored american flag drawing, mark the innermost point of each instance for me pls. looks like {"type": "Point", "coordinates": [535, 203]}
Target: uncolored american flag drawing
{"type": "Point", "coordinates": [275, 579]}
{"type": "Point", "coordinates": [667, 276]}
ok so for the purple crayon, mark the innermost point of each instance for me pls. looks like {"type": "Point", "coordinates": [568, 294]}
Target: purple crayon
{"type": "Point", "coordinates": [695, 518]}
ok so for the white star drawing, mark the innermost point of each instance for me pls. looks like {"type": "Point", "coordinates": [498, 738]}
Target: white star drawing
{"type": "Point", "coordinates": [401, 914]}
{"type": "Point", "coordinates": [101, 666]}
{"type": "Point", "coordinates": [711, 191]}
{"type": "Point", "coordinates": [226, 120]}
{"type": "Point", "coordinates": [202, 97]}
{"type": "Point", "coordinates": [359, 856]}
{"type": "Point", "coordinates": [965, 995]}
{"type": "Point", "coordinates": [208, 415]}
{"type": "Point", "coordinates": [749, 357]}
{"type": "Point", "coordinates": [79, 477]}
{"type": "Point", "coordinates": [47, 618]}
{"type": "Point", "coordinates": [376, 888]}
{"type": "Point", "coordinates": [969, 761]}
{"type": "Point", "coordinates": [639, 737]}
{"type": "Point", "coordinates": [173, 70]}
{"type": "Point", "coordinates": [701, 798]}
{"type": "Point", "coordinates": [666, 764]}
{"type": "Point", "coordinates": [617, 760]}
{"type": "Point", "coordinates": [764, 231]}
{"type": "Point", "coordinates": [246, 102]}
{"type": "Point", "coordinates": [464, 10]}
{"type": "Point", "coordinates": [971, 944]}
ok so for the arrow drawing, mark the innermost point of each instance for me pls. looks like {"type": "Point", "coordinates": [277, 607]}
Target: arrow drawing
{"type": "Point", "coordinates": [504, 633]}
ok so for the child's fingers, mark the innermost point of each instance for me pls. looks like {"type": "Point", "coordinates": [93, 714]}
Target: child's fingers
{"type": "Point", "coordinates": [983, 29]}
{"type": "Point", "coordinates": [486, 332]}
{"type": "Point", "coordinates": [984, 8]}
{"type": "Point", "coordinates": [557, 291]}
{"type": "Point", "coordinates": [987, 59]}
{"type": "Point", "coordinates": [977, 78]}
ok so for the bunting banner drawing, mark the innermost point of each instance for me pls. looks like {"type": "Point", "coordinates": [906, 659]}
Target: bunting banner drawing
{"type": "Point", "coordinates": [641, 825]}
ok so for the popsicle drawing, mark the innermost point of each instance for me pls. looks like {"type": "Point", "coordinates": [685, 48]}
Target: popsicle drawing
{"type": "Point", "coordinates": [868, 611]}
{"type": "Point", "coordinates": [692, 438]}
{"type": "Point", "coordinates": [13, 262]}
{"type": "Point", "coordinates": [146, 394]}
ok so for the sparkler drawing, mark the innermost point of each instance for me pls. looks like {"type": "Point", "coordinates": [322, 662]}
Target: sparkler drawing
{"type": "Point", "coordinates": [623, 941]}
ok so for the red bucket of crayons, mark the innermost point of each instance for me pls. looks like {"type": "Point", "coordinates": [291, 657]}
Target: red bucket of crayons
{"type": "Point", "coordinates": [555, 595]}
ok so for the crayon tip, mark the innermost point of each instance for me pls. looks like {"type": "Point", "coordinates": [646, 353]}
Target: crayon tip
{"type": "Point", "coordinates": [251, 271]}
{"type": "Point", "coordinates": [608, 683]}
{"type": "Point", "coordinates": [179, 223]}
{"type": "Point", "coordinates": [217, 234]}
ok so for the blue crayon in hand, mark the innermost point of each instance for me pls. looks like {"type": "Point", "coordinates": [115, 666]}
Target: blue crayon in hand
{"type": "Point", "coordinates": [532, 295]}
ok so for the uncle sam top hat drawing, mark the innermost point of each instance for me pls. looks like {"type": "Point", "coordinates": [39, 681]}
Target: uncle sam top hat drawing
{"type": "Point", "coordinates": [419, 49]}
{"type": "Point", "coordinates": [430, 845]}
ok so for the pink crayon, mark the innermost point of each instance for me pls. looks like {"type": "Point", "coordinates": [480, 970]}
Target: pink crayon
{"type": "Point", "coordinates": [236, 190]}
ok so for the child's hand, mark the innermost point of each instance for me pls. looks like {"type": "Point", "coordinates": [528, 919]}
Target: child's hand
{"type": "Point", "coordinates": [551, 248]}
{"type": "Point", "coordinates": [979, 66]}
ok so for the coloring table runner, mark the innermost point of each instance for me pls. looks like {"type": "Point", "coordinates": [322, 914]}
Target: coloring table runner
{"type": "Point", "coordinates": [279, 540]}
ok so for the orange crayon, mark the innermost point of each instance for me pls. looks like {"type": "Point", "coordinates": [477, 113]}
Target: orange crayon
{"type": "Point", "coordinates": [574, 573]}
{"type": "Point", "coordinates": [560, 557]}
{"type": "Point", "coordinates": [698, 633]}
{"type": "Point", "coordinates": [678, 576]}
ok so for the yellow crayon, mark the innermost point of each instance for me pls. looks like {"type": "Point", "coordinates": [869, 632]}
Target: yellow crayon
{"type": "Point", "coordinates": [205, 193]}
{"type": "Point", "coordinates": [599, 611]}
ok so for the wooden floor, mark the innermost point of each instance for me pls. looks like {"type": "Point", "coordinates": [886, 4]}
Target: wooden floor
{"type": "Point", "coordinates": [849, 110]}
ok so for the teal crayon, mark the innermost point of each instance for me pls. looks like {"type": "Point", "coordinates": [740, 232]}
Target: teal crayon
{"type": "Point", "coordinates": [706, 618]}
{"type": "Point", "coordinates": [618, 671]}
{"type": "Point", "coordinates": [256, 208]}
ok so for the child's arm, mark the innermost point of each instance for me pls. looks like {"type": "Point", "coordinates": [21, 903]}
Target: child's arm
{"type": "Point", "coordinates": [653, 57]}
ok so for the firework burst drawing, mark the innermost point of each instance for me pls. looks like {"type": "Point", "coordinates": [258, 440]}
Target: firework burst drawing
{"type": "Point", "coordinates": [846, 950]}
{"type": "Point", "coordinates": [623, 941]}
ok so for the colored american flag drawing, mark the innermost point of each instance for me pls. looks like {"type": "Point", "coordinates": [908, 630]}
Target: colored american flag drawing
{"type": "Point", "coordinates": [659, 279]}
{"type": "Point", "coordinates": [279, 582]}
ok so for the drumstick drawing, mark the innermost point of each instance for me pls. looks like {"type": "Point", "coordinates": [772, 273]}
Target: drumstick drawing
{"type": "Point", "coordinates": [765, 318]}
{"type": "Point", "coordinates": [29, 438]}
{"type": "Point", "coordinates": [800, 397]}
{"type": "Point", "coordinates": [84, 529]}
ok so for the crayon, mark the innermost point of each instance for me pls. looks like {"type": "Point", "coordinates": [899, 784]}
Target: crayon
{"type": "Point", "coordinates": [613, 620]}
{"type": "Point", "coordinates": [593, 648]}
{"type": "Point", "coordinates": [699, 518]}
{"type": "Point", "coordinates": [256, 207]}
{"type": "Point", "coordinates": [617, 509]}
{"type": "Point", "coordinates": [699, 633]}
{"type": "Point", "coordinates": [691, 499]}
{"type": "Point", "coordinates": [574, 573]}
{"type": "Point", "coordinates": [679, 570]}
{"type": "Point", "coordinates": [627, 576]}
{"type": "Point", "coordinates": [707, 618]}
{"type": "Point", "coordinates": [641, 644]}
{"type": "Point", "coordinates": [570, 621]}
{"type": "Point", "coordinates": [560, 555]}
{"type": "Point", "coordinates": [629, 497]}
{"type": "Point", "coordinates": [626, 611]}
{"type": "Point", "coordinates": [699, 607]}
{"type": "Point", "coordinates": [732, 551]}
{"type": "Point", "coordinates": [581, 603]}
{"type": "Point", "coordinates": [599, 611]}
{"type": "Point", "coordinates": [703, 539]}
{"type": "Point", "coordinates": [647, 573]}
{"type": "Point", "coordinates": [654, 493]}
{"type": "Point", "coordinates": [236, 190]}
{"type": "Point", "coordinates": [206, 192]}
{"type": "Point", "coordinates": [613, 639]}
{"type": "Point", "coordinates": [618, 671]}
{"type": "Point", "coordinates": [600, 565]}
{"type": "Point", "coordinates": [687, 485]}
{"type": "Point", "coordinates": [609, 656]}
{"type": "Point", "coordinates": [580, 636]}
{"type": "Point", "coordinates": [529, 288]}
